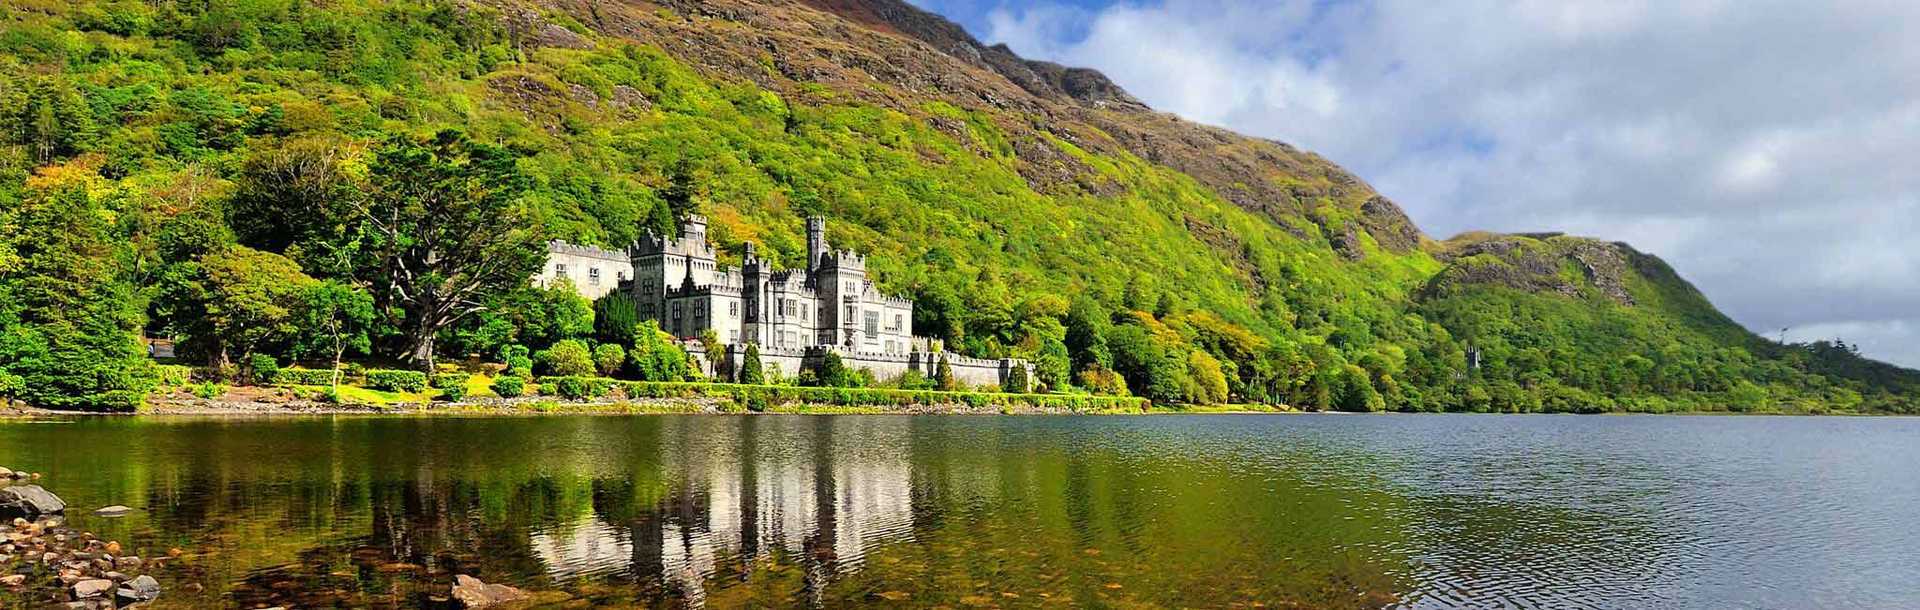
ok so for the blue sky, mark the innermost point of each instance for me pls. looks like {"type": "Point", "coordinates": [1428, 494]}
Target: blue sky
{"type": "Point", "coordinates": [1764, 147]}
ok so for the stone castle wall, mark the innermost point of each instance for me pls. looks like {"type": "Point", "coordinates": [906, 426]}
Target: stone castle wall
{"type": "Point", "coordinates": [969, 372]}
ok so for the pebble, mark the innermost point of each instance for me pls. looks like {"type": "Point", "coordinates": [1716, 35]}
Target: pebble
{"type": "Point", "coordinates": [88, 589]}
{"type": "Point", "coordinates": [113, 511]}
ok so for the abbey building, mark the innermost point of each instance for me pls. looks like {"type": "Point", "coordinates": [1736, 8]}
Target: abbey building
{"type": "Point", "coordinates": [678, 281]}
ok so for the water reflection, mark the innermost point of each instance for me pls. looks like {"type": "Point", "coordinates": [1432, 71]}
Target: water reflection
{"type": "Point", "coordinates": [1007, 512]}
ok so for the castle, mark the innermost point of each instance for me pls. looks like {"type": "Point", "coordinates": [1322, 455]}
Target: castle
{"type": "Point", "coordinates": [792, 314]}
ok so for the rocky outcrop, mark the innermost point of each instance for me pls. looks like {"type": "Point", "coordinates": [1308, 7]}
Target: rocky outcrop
{"type": "Point", "coordinates": [1537, 262]}
{"type": "Point", "coordinates": [29, 502]}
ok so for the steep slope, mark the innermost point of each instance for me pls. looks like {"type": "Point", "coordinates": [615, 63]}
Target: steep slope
{"type": "Point", "coordinates": [1033, 210]}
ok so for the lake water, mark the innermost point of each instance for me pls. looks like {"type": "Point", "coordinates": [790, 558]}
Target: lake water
{"type": "Point", "coordinates": [1124, 512]}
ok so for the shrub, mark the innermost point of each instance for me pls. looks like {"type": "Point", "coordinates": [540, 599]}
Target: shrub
{"type": "Point", "coordinates": [515, 357]}
{"type": "Point", "coordinates": [575, 388]}
{"type": "Point", "coordinates": [209, 390]}
{"type": "Point", "coordinates": [454, 393]}
{"type": "Point", "coordinates": [445, 381]}
{"type": "Point", "coordinates": [608, 358]}
{"type": "Point", "coordinates": [509, 386]}
{"type": "Point", "coordinates": [397, 381]}
{"type": "Point", "coordinates": [1016, 382]}
{"type": "Point", "coordinates": [569, 358]}
{"type": "Point", "coordinates": [174, 375]}
{"type": "Point", "coordinates": [751, 371]}
{"type": "Point", "coordinates": [262, 369]}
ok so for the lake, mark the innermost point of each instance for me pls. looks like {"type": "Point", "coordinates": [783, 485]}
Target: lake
{"type": "Point", "coordinates": [1125, 512]}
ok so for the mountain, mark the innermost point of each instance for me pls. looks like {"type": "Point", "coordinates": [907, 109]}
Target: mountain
{"type": "Point", "coordinates": [1032, 209]}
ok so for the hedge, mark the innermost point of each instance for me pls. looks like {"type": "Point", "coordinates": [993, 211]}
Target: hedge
{"type": "Point", "coordinates": [509, 386]}
{"type": "Point", "coordinates": [445, 381]}
{"type": "Point", "coordinates": [397, 381]}
{"type": "Point", "coordinates": [295, 376]}
{"type": "Point", "coordinates": [762, 397]}
{"type": "Point", "coordinates": [175, 375]}
{"type": "Point", "coordinates": [576, 388]}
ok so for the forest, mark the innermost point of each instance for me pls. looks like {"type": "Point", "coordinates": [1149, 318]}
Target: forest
{"type": "Point", "coordinates": [272, 182]}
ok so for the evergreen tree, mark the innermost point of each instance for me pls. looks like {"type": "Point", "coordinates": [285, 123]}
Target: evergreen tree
{"type": "Point", "coordinates": [614, 319]}
{"type": "Point", "coordinates": [69, 329]}
{"type": "Point", "coordinates": [943, 375]}
{"type": "Point", "coordinates": [1016, 382]}
{"type": "Point", "coordinates": [750, 368]}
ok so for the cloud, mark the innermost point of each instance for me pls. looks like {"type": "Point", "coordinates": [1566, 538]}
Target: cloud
{"type": "Point", "coordinates": [1764, 147]}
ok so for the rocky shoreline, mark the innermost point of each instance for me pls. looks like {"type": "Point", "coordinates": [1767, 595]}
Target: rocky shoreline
{"type": "Point", "coordinates": [187, 405]}
{"type": "Point", "coordinates": [42, 559]}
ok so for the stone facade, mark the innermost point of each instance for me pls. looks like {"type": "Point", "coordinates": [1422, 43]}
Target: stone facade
{"type": "Point", "coordinates": [595, 272]}
{"type": "Point", "coordinates": [794, 315]}
{"type": "Point", "coordinates": [831, 302]}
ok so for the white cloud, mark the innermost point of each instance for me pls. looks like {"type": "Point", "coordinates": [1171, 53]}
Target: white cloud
{"type": "Point", "coordinates": [1766, 148]}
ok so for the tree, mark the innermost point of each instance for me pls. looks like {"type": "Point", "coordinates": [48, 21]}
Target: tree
{"type": "Point", "coordinates": [443, 229]}
{"type": "Point", "coordinates": [1052, 365]}
{"type": "Point", "coordinates": [608, 357]}
{"type": "Point", "coordinates": [54, 122]}
{"type": "Point", "coordinates": [943, 375]}
{"type": "Point", "coordinates": [832, 371]}
{"type": "Point", "coordinates": [251, 299]}
{"type": "Point", "coordinates": [336, 317]}
{"type": "Point", "coordinates": [715, 351]}
{"type": "Point", "coordinates": [1016, 382]}
{"type": "Point", "coordinates": [614, 318]}
{"type": "Point", "coordinates": [750, 368]}
{"type": "Point", "coordinates": [656, 356]}
{"type": "Point", "coordinates": [69, 329]}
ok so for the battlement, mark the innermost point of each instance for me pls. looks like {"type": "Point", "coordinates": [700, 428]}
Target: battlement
{"type": "Point", "coordinates": [561, 247]}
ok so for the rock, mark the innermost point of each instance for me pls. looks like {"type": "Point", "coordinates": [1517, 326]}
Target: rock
{"type": "Point", "coordinates": [471, 593]}
{"type": "Point", "coordinates": [113, 511]}
{"type": "Point", "coordinates": [128, 563]}
{"type": "Point", "coordinates": [92, 588]}
{"type": "Point", "coordinates": [29, 501]}
{"type": "Point", "coordinates": [5, 473]}
{"type": "Point", "coordinates": [139, 590]}
{"type": "Point", "coordinates": [13, 580]}
{"type": "Point", "coordinates": [113, 548]}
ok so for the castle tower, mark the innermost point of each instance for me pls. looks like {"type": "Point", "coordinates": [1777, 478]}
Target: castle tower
{"type": "Point", "coordinates": [816, 241]}
{"type": "Point", "coordinates": [695, 229]}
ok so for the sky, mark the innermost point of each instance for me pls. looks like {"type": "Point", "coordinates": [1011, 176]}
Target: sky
{"type": "Point", "coordinates": [1769, 150]}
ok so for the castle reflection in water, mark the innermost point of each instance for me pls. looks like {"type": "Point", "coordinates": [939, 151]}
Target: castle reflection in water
{"type": "Point", "coordinates": [816, 493]}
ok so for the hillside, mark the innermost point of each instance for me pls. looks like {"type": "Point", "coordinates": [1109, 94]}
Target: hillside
{"type": "Point", "coordinates": [1033, 210]}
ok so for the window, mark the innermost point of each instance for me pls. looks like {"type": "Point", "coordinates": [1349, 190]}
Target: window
{"type": "Point", "coordinates": [676, 313]}
{"type": "Point", "coordinates": [733, 336]}
{"type": "Point", "coordinates": [593, 276]}
{"type": "Point", "coordinates": [733, 310]}
{"type": "Point", "coordinates": [873, 323]}
{"type": "Point", "coordinates": [619, 276]}
{"type": "Point", "coordinates": [560, 270]}
{"type": "Point", "coordinates": [898, 322]}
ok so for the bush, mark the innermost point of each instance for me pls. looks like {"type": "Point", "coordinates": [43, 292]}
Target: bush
{"type": "Point", "coordinates": [172, 375]}
{"type": "Point", "coordinates": [454, 393]}
{"type": "Point", "coordinates": [209, 390]}
{"type": "Point", "coordinates": [443, 381]}
{"type": "Point", "coordinates": [262, 369]}
{"type": "Point", "coordinates": [299, 376]}
{"type": "Point", "coordinates": [608, 358]}
{"type": "Point", "coordinates": [397, 381]}
{"type": "Point", "coordinates": [509, 386]}
{"type": "Point", "coordinates": [569, 358]}
{"type": "Point", "coordinates": [575, 388]}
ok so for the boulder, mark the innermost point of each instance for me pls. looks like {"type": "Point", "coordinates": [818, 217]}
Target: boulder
{"type": "Point", "coordinates": [26, 501]}
{"type": "Point", "coordinates": [92, 588]}
{"type": "Point", "coordinates": [13, 580]}
{"type": "Point", "coordinates": [471, 593]}
{"type": "Point", "coordinates": [141, 589]}
{"type": "Point", "coordinates": [5, 473]}
{"type": "Point", "coordinates": [113, 511]}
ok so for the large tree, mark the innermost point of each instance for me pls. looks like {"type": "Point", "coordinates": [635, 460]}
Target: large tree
{"type": "Point", "coordinates": [444, 228]}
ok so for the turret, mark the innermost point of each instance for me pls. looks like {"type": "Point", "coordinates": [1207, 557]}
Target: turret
{"type": "Point", "coordinates": [695, 229]}
{"type": "Point", "coordinates": [816, 241]}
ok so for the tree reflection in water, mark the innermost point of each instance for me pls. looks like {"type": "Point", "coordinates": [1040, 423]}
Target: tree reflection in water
{"type": "Point", "coordinates": [696, 511]}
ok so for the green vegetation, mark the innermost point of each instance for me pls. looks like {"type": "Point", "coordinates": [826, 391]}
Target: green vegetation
{"type": "Point", "coordinates": [374, 181]}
